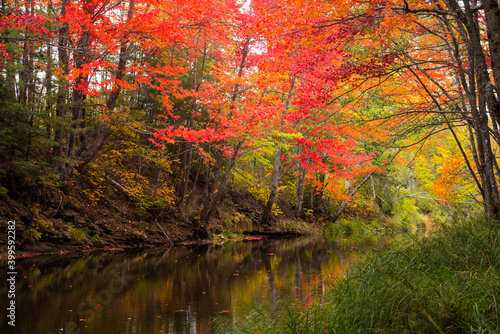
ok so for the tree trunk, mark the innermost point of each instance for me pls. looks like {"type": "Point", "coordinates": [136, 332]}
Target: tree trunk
{"type": "Point", "coordinates": [26, 74]}
{"type": "Point", "coordinates": [482, 99]}
{"type": "Point", "coordinates": [214, 196]}
{"type": "Point", "coordinates": [266, 214]}
{"type": "Point", "coordinates": [188, 154]}
{"type": "Point", "coordinates": [157, 185]}
{"type": "Point", "coordinates": [77, 103]}
{"type": "Point", "coordinates": [195, 182]}
{"type": "Point", "coordinates": [350, 192]}
{"type": "Point", "coordinates": [104, 131]}
{"type": "Point", "coordinates": [62, 93]}
{"type": "Point", "coordinates": [301, 184]}
{"type": "Point", "coordinates": [49, 98]}
{"type": "Point", "coordinates": [492, 16]}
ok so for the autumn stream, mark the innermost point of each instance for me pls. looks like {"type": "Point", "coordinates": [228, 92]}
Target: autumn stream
{"type": "Point", "coordinates": [172, 290]}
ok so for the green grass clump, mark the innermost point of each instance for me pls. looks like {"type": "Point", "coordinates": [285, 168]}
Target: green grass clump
{"type": "Point", "coordinates": [446, 283]}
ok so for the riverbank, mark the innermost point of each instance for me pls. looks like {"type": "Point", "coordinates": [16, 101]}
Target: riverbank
{"type": "Point", "coordinates": [70, 225]}
{"type": "Point", "coordinates": [448, 282]}
{"type": "Point", "coordinates": [66, 223]}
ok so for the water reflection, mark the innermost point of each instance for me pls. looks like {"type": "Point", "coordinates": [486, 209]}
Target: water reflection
{"type": "Point", "coordinates": [170, 290]}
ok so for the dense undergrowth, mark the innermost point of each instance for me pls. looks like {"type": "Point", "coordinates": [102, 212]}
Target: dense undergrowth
{"type": "Point", "coordinates": [446, 282]}
{"type": "Point", "coordinates": [92, 211]}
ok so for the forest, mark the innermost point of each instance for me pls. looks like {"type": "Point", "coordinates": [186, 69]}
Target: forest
{"type": "Point", "coordinates": [164, 161]}
{"type": "Point", "coordinates": [190, 119]}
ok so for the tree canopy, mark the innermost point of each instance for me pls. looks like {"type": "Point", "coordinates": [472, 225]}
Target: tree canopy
{"type": "Point", "coordinates": [295, 99]}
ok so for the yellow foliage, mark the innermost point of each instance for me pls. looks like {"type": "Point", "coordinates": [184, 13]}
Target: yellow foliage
{"type": "Point", "coordinates": [95, 185]}
{"type": "Point", "coordinates": [142, 170]}
{"type": "Point", "coordinates": [441, 169]}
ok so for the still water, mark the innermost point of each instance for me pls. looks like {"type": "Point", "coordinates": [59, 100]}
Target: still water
{"type": "Point", "coordinates": [171, 290]}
